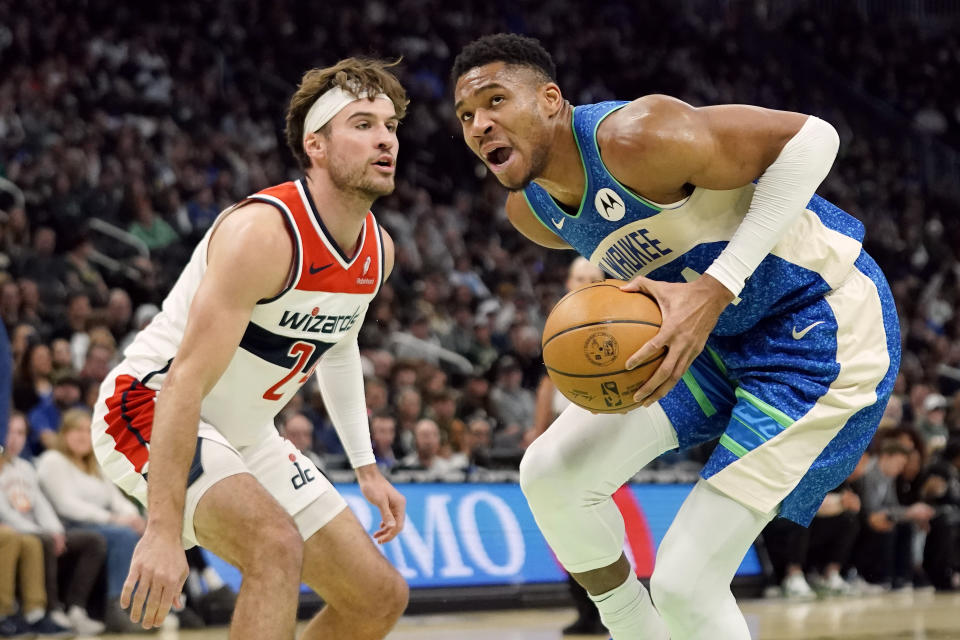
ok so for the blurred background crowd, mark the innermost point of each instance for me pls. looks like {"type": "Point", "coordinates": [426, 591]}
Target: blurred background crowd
{"type": "Point", "coordinates": [125, 131]}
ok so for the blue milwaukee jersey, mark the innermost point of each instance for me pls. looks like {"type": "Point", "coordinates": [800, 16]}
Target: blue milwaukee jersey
{"type": "Point", "coordinates": [625, 235]}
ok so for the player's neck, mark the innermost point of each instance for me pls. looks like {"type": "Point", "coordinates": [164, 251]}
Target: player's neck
{"type": "Point", "coordinates": [342, 213]}
{"type": "Point", "coordinates": [563, 176]}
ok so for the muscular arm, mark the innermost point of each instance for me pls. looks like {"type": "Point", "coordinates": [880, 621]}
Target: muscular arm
{"type": "Point", "coordinates": [248, 260]}
{"type": "Point", "coordinates": [659, 145]}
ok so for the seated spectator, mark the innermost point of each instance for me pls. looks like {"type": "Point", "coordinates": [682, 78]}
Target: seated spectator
{"type": "Point", "coordinates": [409, 410]}
{"type": "Point", "coordinates": [383, 434]}
{"type": "Point", "coordinates": [44, 419]}
{"type": "Point", "coordinates": [478, 440]}
{"type": "Point", "coordinates": [376, 394]}
{"type": "Point", "coordinates": [77, 553]}
{"type": "Point", "coordinates": [442, 409]}
{"type": "Point", "coordinates": [83, 498]}
{"type": "Point", "coordinates": [21, 561]}
{"type": "Point", "coordinates": [475, 398]}
{"type": "Point", "coordinates": [512, 403]}
{"type": "Point", "coordinates": [43, 266]}
{"type": "Point", "coordinates": [31, 378]}
{"type": "Point", "coordinates": [298, 429]}
{"type": "Point", "coordinates": [822, 550]}
{"type": "Point", "coordinates": [940, 488]}
{"type": "Point", "coordinates": [74, 327]}
{"type": "Point", "coordinates": [100, 354]}
{"type": "Point", "coordinates": [81, 275]}
{"type": "Point", "coordinates": [153, 230]}
{"type": "Point", "coordinates": [10, 302]}
{"type": "Point", "coordinates": [426, 454]}
{"type": "Point", "coordinates": [119, 314]}
{"type": "Point", "coordinates": [883, 548]}
{"type": "Point", "coordinates": [931, 423]}
{"type": "Point", "coordinates": [62, 358]}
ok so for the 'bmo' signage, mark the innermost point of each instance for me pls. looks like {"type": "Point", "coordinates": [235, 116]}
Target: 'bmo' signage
{"type": "Point", "coordinates": [463, 534]}
{"type": "Point", "coordinates": [459, 535]}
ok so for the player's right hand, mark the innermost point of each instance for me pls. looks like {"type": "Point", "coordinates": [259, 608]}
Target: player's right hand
{"type": "Point", "coordinates": [157, 573]}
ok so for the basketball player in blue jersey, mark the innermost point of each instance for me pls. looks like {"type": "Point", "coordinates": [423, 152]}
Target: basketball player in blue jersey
{"type": "Point", "coordinates": [276, 290]}
{"type": "Point", "coordinates": [781, 332]}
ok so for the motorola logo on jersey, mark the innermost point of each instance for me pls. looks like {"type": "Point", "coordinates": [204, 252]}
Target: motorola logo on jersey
{"type": "Point", "coordinates": [609, 204]}
{"type": "Point", "coordinates": [315, 322]}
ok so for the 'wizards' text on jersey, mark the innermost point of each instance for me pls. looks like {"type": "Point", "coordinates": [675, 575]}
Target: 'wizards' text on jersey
{"type": "Point", "coordinates": [627, 235]}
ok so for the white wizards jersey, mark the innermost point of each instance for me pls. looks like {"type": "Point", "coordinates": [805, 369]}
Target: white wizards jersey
{"type": "Point", "coordinates": [324, 303]}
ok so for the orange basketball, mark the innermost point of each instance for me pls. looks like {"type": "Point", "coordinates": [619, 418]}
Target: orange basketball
{"type": "Point", "coordinates": [588, 338]}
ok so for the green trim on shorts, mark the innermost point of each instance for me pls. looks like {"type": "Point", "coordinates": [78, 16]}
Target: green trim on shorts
{"type": "Point", "coordinates": [778, 416]}
{"type": "Point", "coordinates": [748, 427]}
{"type": "Point", "coordinates": [732, 446]}
{"type": "Point", "coordinates": [705, 405]}
{"type": "Point", "coordinates": [717, 361]}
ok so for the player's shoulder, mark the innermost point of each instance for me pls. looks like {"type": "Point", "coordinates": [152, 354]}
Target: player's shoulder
{"type": "Point", "coordinates": [646, 121]}
{"type": "Point", "coordinates": [252, 228]}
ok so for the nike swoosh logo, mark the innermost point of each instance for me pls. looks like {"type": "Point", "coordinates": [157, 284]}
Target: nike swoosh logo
{"type": "Point", "coordinates": [314, 269]}
{"type": "Point", "coordinates": [558, 225]}
{"type": "Point", "coordinates": [799, 334]}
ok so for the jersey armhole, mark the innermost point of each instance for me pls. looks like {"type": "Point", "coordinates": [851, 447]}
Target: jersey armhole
{"type": "Point", "coordinates": [536, 215]}
{"type": "Point", "coordinates": [294, 271]}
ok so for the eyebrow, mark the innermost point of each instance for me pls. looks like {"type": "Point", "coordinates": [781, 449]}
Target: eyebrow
{"type": "Point", "coordinates": [486, 87]}
{"type": "Point", "coordinates": [369, 114]}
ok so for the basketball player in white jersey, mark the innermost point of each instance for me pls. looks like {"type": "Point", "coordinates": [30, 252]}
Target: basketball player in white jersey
{"type": "Point", "coordinates": [779, 334]}
{"type": "Point", "coordinates": [274, 292]}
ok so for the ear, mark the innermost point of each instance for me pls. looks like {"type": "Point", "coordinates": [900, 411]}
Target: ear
{"type": "Point", "coordinates": [314, 145]}
{"type": "Point", "coordinates": [551, 99]}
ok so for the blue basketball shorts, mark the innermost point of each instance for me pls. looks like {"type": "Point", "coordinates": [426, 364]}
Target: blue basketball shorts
{"type": "Point", "coordinates": [796, 399]}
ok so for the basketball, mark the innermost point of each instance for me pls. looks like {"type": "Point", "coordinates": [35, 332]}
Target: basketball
{"type": "Point", "coordinates": [588, 338]}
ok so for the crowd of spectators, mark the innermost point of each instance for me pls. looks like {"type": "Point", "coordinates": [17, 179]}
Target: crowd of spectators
{"type": "Point", "coordinates": [150, 120]}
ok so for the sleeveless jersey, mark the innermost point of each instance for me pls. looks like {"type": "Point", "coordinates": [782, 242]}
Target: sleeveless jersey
{"type": "Point", "coordinates": [324, 303]}
{"type": "Point", "coordinates": [627, 235]}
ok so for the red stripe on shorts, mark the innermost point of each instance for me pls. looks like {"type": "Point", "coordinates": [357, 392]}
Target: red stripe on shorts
{"type": "Point", "coordinates": [130, 419]}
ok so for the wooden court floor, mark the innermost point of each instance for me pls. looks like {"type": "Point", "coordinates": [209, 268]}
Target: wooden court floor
{"type": "Point", "coordinates": [897, 616]}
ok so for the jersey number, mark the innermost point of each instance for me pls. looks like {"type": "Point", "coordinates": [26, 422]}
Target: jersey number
{"type": "Point", "coordinates": [302, 352]}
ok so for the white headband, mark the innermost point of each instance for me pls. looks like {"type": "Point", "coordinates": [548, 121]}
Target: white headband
{"type": "Point", "coordinates": [330, 104]}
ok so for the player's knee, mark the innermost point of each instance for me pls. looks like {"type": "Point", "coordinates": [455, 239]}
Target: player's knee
{"type": "Point", "coordinates": [286, 549]}
{"type": "Point", "coordinates": [395, 597]}
{"type": "Point", "coordinates": [671, 591]}
{"type": "Point", "coordinates": [540, 476]}
{"type": "Point", "coordinates": [383, 606]}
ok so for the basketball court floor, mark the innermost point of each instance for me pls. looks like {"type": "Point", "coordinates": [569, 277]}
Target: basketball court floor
{"type": "Point", "coordinates": [897, 616]}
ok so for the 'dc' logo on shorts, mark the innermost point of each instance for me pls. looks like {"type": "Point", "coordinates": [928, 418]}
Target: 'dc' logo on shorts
{"type": "Point", "coordinates": [601, 348]}
{"type": "Point", "coordinates": [609, 204]}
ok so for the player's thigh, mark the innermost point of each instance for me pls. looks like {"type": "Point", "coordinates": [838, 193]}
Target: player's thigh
{"type": "Point", "coordinates": [597, 452]}
{"type": "Point", "coordinates": [342, 564]}
{"type": "Point", "coordinates": [294, 482]}
{"type": "Point", "coordinates": [236, 518]}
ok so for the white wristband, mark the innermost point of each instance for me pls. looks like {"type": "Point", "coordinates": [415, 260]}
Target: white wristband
{"type": "Point", "coordinates": [779, 199]}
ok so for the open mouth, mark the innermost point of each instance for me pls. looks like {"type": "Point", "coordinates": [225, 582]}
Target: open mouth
{"type": "Point", "coordinates": [384, 163]}
{"type": "Point", "coordinates": [499, 156]}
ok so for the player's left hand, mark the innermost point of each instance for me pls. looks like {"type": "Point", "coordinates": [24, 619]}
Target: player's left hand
{"type": "Point", "coordinates": [690, 311]}
{"type": "Point", "coordinates": [381, 494]}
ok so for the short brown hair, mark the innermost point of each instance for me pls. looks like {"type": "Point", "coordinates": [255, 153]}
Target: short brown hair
{"type": "Point", "coordinates": [358, 75]}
